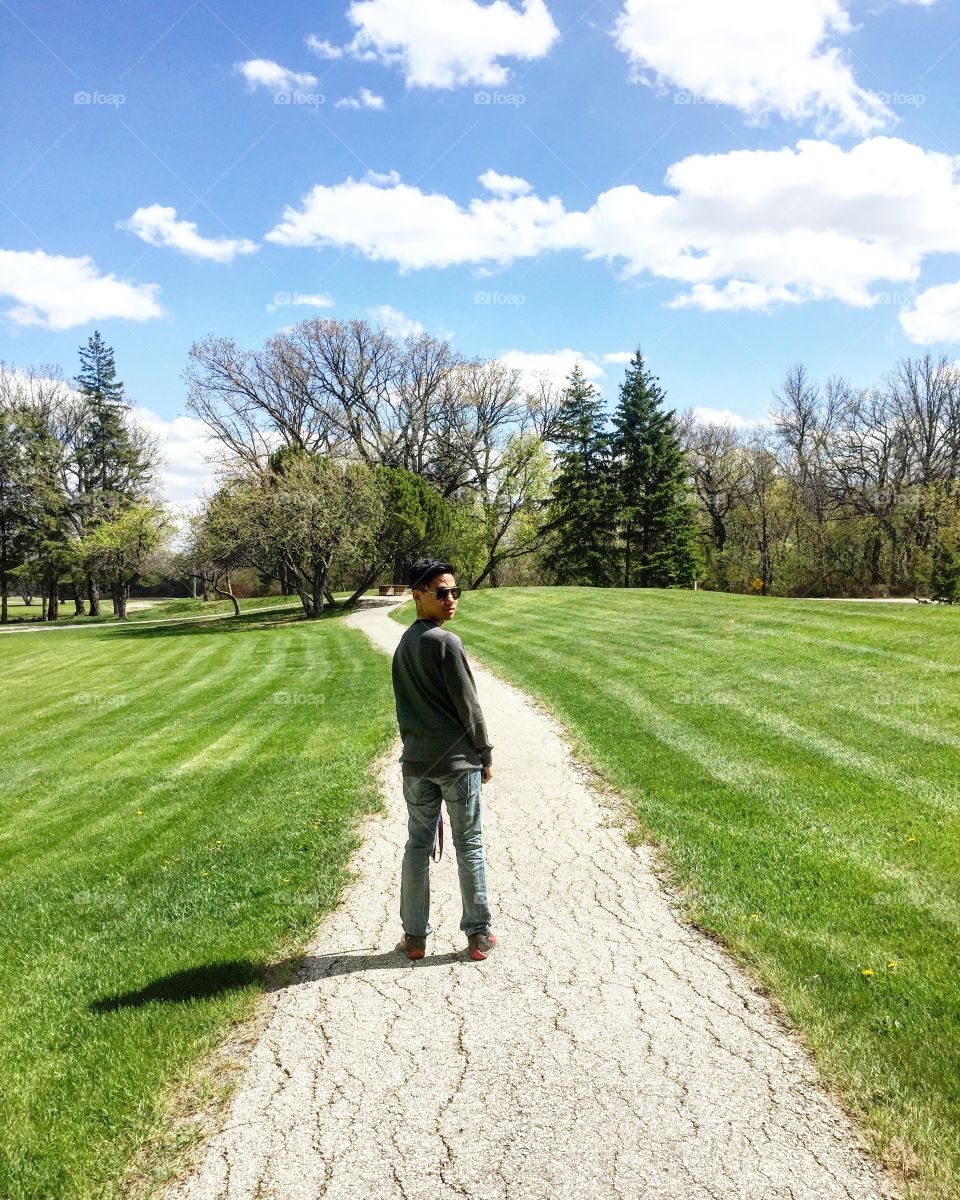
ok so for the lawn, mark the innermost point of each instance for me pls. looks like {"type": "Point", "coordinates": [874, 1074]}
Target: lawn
{"type": "Point", "coordinates": [173, 606]}
{"type": "Point", "coordinates": [178, 807]}
{"type": "Point", "coordinates": [797, 762]}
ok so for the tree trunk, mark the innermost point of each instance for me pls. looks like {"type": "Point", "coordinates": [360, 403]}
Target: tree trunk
{"type": "Point", "coordinates": [93, 595]}
{"type": "Point", "coordinates": [3, 600]}
{"type": "Point", "coordinates": [120, 601]}
{"type": "Point", "coordinates": [79, 608]}
{"type": "Point", "coordinates": [53, 603]}
{"type": "Point", "coordinates": [367, 581]}
{"type": "Point", "coordinates": [626, 559]}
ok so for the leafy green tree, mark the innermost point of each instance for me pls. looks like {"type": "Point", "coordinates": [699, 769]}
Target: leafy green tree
{"type": "Point", "coordinates": [581, 514]}
{"type": "Point", "coordinates": [416, 521]}
{"type": "Point", "coordinates": [17, 504]}
{"type": "Point", "coordinates": [305, 513]}
{"type": "Point", "coordinates": [120, 547]}
{"type": "Point", "coordinates": [653, 495]}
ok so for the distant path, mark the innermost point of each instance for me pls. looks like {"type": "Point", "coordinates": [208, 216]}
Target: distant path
{"type": "Point", "coordinates": [606, 1050]}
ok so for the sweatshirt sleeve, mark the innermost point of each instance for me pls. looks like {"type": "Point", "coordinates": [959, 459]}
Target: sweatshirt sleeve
{"type": "Point", "coordinates": [463, 691]}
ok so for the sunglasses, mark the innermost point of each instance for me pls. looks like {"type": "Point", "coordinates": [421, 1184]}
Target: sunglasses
{"type": "Point", "coordinates": [443, 593]}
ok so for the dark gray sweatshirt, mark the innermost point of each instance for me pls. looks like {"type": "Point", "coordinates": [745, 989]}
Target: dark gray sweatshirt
{"type": "Point", "coordinates": [437, 707]}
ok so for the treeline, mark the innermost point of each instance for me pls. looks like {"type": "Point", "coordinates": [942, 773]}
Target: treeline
{"type": "Point", "coordinates": [348, 452]}
{"type": "Point", "coordinates": [846, 492]}
{"type": "Point", "coordinates": [344, 452]}
{"type": "Point", "coordinates": [78, 509]}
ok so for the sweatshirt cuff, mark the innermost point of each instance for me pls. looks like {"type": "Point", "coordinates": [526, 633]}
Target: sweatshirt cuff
{"type": "Point", "coordinates": [486, 758]}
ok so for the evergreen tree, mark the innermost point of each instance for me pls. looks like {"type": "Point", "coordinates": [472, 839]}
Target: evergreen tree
{"type": "Point", "coordinates": [114, 466]}
{"type": "Point", "coordinates": [656, 514]}
{"type": "Point", "coordinates": [581, 512]}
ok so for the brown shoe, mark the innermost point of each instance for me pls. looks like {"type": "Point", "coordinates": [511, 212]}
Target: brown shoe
{"type": "Point", "coordinates": [480, 945]}
{"type": "Point", "coordinates": [412, 947]}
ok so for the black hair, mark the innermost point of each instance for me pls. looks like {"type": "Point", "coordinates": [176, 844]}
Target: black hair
{"type": "Point", "coordinates": [425, 570]}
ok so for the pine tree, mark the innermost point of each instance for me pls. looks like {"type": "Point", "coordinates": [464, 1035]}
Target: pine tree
{"type": "Point", "coordinates": [580, 512]}
{"type": "Point", "coordinates": [114, 466]}
{"type": "Point", "coordinates": [656, 514]}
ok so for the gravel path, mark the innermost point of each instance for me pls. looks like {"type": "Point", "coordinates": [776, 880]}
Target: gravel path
{"type": "Point", "coordinates": [605, 1050]}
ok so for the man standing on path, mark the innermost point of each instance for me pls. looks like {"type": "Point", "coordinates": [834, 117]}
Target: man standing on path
{"type": "Point", "coordinates": [446, 757]}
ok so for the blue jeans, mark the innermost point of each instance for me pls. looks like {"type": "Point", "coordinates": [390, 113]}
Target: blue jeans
{"type": "Point", "coordinates": [423, 794]}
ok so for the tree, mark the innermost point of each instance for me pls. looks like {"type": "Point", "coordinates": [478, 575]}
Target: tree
{"type": "Point", "coordinates": [111, 465]}
{"type": "Point", "coordinates": [304, 513]}
{"type": "Point", "coordinates": [121, 545]}
{"type": "Point", "coordinates": [416, 522]}
{"type": "Point", "coordinates": [653, 496]}
{"type": "Point", "coordinates": [582, 516]}
{"type": "Point", "coordinates": [17, 506]}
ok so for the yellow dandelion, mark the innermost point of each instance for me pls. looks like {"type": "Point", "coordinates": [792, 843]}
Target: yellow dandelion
{"type": "Point", "coordinates": [138, 813]}
{"type": "Point", "coordinates": [754, 916]}
{"type": "Point", "coordinates": [911, 839]}
{"type": "Point", "coordinates": [891, 965]}
{"type": "Point", "coordinates": [866, 971]}
{"type": "Point", "coordinates": [204, 872]}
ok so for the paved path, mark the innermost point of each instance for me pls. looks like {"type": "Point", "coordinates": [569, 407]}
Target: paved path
{"type": "Point", "coordinates": [605, 1050]}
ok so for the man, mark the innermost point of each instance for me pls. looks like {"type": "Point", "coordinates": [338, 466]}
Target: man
{"type": "Point", "coordinates": [446, 757]}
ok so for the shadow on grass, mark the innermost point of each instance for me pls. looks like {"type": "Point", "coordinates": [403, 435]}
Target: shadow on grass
{"type": "Point", "coordinates": [213, 979]}
{"type": "Point", "coordinates": [247, 621]}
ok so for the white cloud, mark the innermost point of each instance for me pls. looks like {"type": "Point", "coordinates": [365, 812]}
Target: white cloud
{"type": "Point", "coordinates": [322, 47]}
{"type": "Point", "coordinates": [735, 295]}
{"type": "Point", "coordinates": [365, 99]}
{"type": "Point", "coordinates": [618, 356]}
{"type": "Point", "coordinates": [505, 185]}
{"type": "Point", "coordinates": [443, 43]}
{"type": "Point", "coordinates": [306, 299]}
{"type": "Point", "coordinates": [744, 229]}
{"type": "Point", "coordinates": [935, 315]}
{"type": "Point", "coordinates": [262, 72]}
{"type": "Point", "coordinates": [58, 292]}
{"type": "Point", "coordinates": [395, 322]}
{"type": "Point", "coordinates": [554, 366]}
{"type": "Point", "coordinates": [157, 225]}
{"type": "Point", "coordinates": [724, 416]}
{"type": "Point", "coordinates": [758, 56]}
{"type": "Point", "coordinates": [185, 443]}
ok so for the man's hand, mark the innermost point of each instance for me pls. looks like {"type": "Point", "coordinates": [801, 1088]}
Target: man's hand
{"type": "Point", "coordinates": [486, 774]}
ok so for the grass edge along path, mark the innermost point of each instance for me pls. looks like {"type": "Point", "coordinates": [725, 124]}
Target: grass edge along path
{"type": "Point", "coordinates": [763, 746]}
{"type": "Point", "coordinates": [166, 889]}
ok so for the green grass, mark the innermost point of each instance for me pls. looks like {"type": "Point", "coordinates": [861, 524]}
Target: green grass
{"type": "Point", "coordinates": [169, 827]}
{"type": "Point", "coordinates": [171, 607]}
{"type": "Point", "coordinates": [797, 762]}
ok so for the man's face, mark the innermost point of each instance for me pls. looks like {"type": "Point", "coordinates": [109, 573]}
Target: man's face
{"type": "Point", "coordinates": [427, 603]}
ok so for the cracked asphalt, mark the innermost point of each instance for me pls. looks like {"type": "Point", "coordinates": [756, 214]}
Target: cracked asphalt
{"type": "Point", "coordinates": [605, 1049]}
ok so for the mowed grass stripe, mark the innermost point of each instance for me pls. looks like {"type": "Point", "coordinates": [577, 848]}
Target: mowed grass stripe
{"type": "Point", "coordinates": [131, 942]}
{"type": "Point", "coordinates": [755, 740]}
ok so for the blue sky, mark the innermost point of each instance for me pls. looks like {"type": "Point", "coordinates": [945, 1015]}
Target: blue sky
{"type": "Point", "coordinates": [735, 187]}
